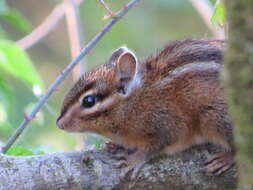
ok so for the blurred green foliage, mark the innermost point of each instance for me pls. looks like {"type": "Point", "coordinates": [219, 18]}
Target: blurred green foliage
{"type": "Point", "coordinates": [219, 14]}
{"type": "Point", "coordinates": [14, 17]}
{"type": "Point", "coordinates": [13, 62]}
{"type": "Point", "coordinates": [149, 26]}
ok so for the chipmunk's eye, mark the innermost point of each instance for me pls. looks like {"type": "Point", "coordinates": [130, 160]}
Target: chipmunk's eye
{"type": "Point", "coordinates": [89, 101]}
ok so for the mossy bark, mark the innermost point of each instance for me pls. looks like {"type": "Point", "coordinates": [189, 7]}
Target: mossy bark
{"type": "Point", "coordinates": [238, 77]}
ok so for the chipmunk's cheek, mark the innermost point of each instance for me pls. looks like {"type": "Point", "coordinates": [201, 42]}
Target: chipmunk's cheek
{"type": "Point", "coordinates": [82, 125]}
{"type": "Point", "coordinates": [75, 126]}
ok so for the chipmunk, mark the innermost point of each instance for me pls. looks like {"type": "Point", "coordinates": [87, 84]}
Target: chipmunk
{"type": "Point", "coordinates": [166, 104]}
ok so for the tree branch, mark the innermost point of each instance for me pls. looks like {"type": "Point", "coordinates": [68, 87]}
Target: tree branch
{"type": "Point", "coordinates": [44, 28]}
{"type": "Point", "coordinates": [66, 71]}
{"type": "Point", "coordinates": [75, 34]}
{"type": "Point", "coordinates": [95, 170]}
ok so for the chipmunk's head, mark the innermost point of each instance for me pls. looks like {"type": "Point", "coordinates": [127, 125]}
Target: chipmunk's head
{"type": "Point", "coordinates": [96, 99]}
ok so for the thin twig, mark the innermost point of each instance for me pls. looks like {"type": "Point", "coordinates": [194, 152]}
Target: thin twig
{"type": "Point", "coordinates": [110, 12]}
{"type": "Point", "coordinates": [105, 6]}
{"type": "Point", "coordinates": [45, 27]}
{"type": "Point", "coordinates": [205, 9]}
{"type": "Point", "coordinates": [66, 71]}
{"type": "Point", "coordinates": [75, 34]}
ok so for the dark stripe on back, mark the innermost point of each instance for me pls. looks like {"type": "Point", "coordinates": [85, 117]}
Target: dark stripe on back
{"type": "Point", "coordinates": [187, 51]}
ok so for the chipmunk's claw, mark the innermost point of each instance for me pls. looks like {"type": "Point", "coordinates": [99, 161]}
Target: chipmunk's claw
{"type": "Point", "coordinates": [127, 159]}
{"type": "Point", "coordinates": [131, 162]}
{"type": "Point", "coordinates": [135, 168]}
{"type": "Point", "coordinates": [219, 163]}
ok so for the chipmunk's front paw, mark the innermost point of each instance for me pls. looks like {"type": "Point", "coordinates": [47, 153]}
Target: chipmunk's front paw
{"type": "Point", "coordinates": [114, 148]}
{"type": "Point", "coordinates": [219, 163]}
{"type": "Point", "coordinates": [131, 162]}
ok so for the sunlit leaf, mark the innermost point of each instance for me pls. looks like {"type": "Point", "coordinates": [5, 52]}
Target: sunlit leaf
{"type": "Point", "coordinates": [16, 62]}
{"type": "Point", "coordinates": [19, 151]}
{"type": "Point", "coordinates": [219, 13]}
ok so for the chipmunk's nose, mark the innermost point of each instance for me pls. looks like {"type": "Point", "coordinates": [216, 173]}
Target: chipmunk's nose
{"type": "Point", "coordinates": [59, 122]}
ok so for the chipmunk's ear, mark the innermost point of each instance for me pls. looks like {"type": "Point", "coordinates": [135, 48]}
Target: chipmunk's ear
{"type": "Point", "coordinates": [126, 66]}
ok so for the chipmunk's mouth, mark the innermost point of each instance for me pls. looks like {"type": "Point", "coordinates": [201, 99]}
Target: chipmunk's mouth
{"type": "Point", "coordinates": [69, 125]}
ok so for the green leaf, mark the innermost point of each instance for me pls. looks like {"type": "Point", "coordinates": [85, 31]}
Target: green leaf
{"type": "Point", "coordinates": [19, 151]}
{"type": "Point", "coordinates": [17, 19]}
{"type": "Point", "coordinates": [15, 61]}
{"type": "Point", "coordinates": [219, 14]}
{"type": "Point", "coordinates": [6, 106]}
{"type": "Point", "coordinates": [3, 34]}
{"type": "Point", "coordinates": [6, 94]}
{"type": "Point", "coordinates": [14, 17]}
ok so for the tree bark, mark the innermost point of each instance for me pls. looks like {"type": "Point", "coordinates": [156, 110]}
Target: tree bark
{"type": "Point", "coordinates": [95, 170]}
{"type": "Point", "coordinates": [239, 82]}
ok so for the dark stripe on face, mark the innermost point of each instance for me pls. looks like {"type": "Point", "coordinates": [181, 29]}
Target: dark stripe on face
{"type": "Point", "coordinates": [78, 89]}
